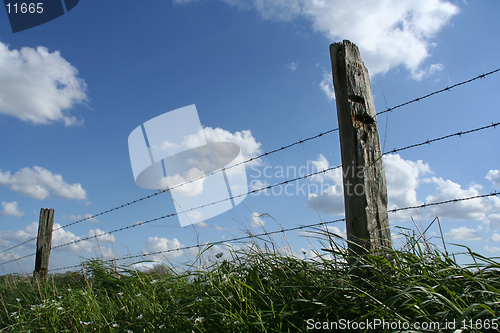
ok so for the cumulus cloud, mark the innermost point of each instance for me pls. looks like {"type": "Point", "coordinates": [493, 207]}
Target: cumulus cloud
{"type": "Point", "coordinates": [59, 237]}
{"type": "Point", "coordinates": [189, 189]}
{"type": "Point", "coordinates": [493, 221]}
{"type": "Point", "coordinates": [403, 177]}
{"type": "Point", "coordinates": [330, 201]}
{"type": "Point", "coordinates": [494, 177]}
{"type": "Point", "coordinates": [39, 182]}
{"type": "Point", "coordinates": [463, 233]}
{"type": "Point", "coordinates": [475, 209]}
{"type": "Point", "coordinates": [494, 238]}
{"type": "Point", "coordinates": [39, 86]}
{"type": "Point", "coordinates": [388, 33]}
{"type": "Point", "coordinates": [157, 244]}
{"type": "Point", "coordinates": [492, 249]}
{"type": "Point", "coordinates": [11, 209]}
{"type": "Point", "coordinates": [244, 139]}
{"type": "Point", "coordinates": [326, 189]}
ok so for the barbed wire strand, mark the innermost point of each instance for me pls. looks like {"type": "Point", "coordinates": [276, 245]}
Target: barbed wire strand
{"type": "Point", "coordinates": [440, 91]}
{"type": "Point", "coordinates": [283, 230]}
{"type": "Point", "coordinates": [255, 158]}
{"type": "Point", "coordinates": [493, 125]}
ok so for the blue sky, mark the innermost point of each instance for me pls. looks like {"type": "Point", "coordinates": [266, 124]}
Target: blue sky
{"type": "Point", "coordinates": [73, 89]}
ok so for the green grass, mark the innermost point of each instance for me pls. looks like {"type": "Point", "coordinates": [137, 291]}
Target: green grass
{"type": "Point", "coordinates": [260, 290]}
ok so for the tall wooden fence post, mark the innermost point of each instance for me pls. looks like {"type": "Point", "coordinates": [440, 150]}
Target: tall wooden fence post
{"type": "Point", "coordinates": [365, 189]}
{"type": "Point", "coordinates": [43, 243]}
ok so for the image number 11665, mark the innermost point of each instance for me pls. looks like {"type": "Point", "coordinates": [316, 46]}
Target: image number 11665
{"type": "Point", "coordinates": [24, 8]}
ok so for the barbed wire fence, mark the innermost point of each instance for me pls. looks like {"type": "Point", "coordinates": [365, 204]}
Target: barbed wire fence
{"type": "Point", "coordinates": [282, 148]}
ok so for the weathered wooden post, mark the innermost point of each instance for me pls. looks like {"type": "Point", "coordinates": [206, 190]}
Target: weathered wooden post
{"type": "Point", "coordinates": [43, 243]}
{"type": "Point", "coordinates": [365, 189]}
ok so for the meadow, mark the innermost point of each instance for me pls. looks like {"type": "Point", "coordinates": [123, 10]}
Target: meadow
{"type": "Point", "coordinates": [264, 289]}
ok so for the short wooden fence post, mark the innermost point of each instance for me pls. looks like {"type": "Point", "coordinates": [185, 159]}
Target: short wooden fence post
{"type": "Point", "coordinates": [43, 243]}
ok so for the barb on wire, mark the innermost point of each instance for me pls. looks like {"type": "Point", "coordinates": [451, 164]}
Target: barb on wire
{"type": "Point", "coordinates": [283, 230]}
{"type": "Point", "coordinates": [253, 191]}
{"type": "Point", "coordinates": [439, 91]}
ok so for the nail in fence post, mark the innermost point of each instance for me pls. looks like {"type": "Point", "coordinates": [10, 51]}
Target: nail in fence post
{"type": "Point", "coordinates": [365, 189]}
{"type": "Point", "coordinates": [43, 243]}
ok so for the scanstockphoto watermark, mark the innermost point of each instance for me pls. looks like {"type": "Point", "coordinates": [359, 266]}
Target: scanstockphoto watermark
{"type": "Point", "coordinates": [260, 178]}
{"type": "Point", "coordinates": [381, 324]}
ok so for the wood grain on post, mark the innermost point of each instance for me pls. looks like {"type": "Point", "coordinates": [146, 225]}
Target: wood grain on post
{"type": "Point", "coordinates": [43, 243]}
{"type": "Point", "coordinates": [365, 189]}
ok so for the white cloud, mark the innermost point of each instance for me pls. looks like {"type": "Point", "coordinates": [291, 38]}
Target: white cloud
{"type": "Point", "coordinates": [492, 249]}
{"type": "Point", "coordinates": [325, 229]}
{"type": "Point", "coordinates": [11, 209]}
{"type": "Point", "coordinates": [326, 85]}
{"type": "Point", "coordinates": [59, 237]}
{"type": "Point", "coordinates": [475, 209]}
{"type": "Point", "coordinates": [101, 235]}
{"type": "Point", "coordinates": [494, 238]}
{"type": "Point", "coordinates": [293, 66]}
{"type": "Point", "coordinates": [256, 184]}
{"type": "Point", "coordinates": [493, 221]}
{"type": "Point", "coordinates": [330, 201]}
{"type": "Point", "coordinates": [463, 233]}
{"type": "Point", "coordinates": [420, 74]}
{"type": "Point", "coordinates": [256, 220]}
{"type": "Point", "coordinates": [157, 244]}
{"type": "Point", "coordinates": [38, 182]}
{"type": "Point", "coordinates": [201, 224]}
{"type": "Point", "coordinates": [244, 139]}
{"type": "Point", "coordinates": [91, 219]}
{"type": "Point", "coordinates": [494, 177]}
{"type": "Point", "coordinates": [403, 177]}
{"type": "Point", "coordinates": [39, 86]}
{"type": "Point", "coordinates": [189, 189]}
{"type": "Point", "coordinates": [388, 33]}
{"type": "Point", "coordinates": [323, 195]}
{"type": "Point", "coordinates": [72, 217]}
